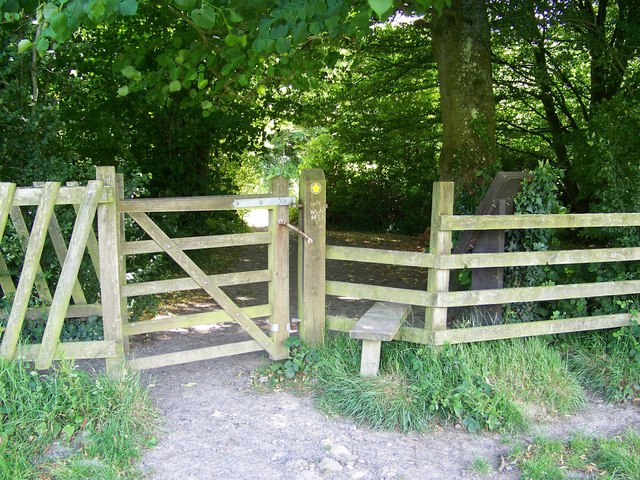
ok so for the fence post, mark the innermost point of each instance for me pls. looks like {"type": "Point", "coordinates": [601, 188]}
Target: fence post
{"type": "Point", "coordinates": [279, 268]}
{"type": "Point", "coordinates": [114, 309]}
{"type": "Point", "coordinates": [311, 256]}
{"type": "Point", "coordinates": [439, 244]}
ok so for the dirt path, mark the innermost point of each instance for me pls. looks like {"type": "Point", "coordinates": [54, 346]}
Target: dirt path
{"type": "Point", "coordinates": [217, 426]}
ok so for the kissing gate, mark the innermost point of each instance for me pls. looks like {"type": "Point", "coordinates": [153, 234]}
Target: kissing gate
{"type": "Point", "coordinates": [102, 201]}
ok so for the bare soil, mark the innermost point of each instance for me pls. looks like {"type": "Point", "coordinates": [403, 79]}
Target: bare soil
{"type": "Point", "coordinates": [218, 426]}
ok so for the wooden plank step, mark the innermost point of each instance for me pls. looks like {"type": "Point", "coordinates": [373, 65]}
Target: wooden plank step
{"type": "Point", "coordinates": [381, 322]}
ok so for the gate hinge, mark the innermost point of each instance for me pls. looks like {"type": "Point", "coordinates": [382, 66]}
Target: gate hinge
{"type": "Point", "coordinates": [276, 328]}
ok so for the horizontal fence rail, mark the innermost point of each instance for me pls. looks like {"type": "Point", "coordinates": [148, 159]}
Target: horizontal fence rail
{"type": "Point", "coordinates": [440, 261]}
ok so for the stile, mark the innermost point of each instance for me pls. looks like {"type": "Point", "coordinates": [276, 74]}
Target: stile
{"type": "Point", "coordinates": [29, 270]}
{"type": "Point", "coordinates": [380, 323]}
{"type": "Point", "coordinates": [69, 274]}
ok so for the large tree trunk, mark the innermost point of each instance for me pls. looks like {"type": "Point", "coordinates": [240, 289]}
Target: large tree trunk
{"type": "Point", "coordinates": [462, 48]}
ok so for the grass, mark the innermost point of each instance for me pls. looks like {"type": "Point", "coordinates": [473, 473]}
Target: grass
{"type": "Point", "coordinates": [617, 457]}
{"type": "Point", "coordinates": [481, 466]}
{"type": "Point", "coordinates": [608, 362]}
{"type": "Point", "coordinates": [497, 386]}
{"type": "Point", "coordinates": [480, 386]}
{"type": "Point", "coordinates": [69, 425]}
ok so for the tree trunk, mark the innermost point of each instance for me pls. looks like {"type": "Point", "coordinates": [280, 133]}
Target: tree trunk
{"type": "Point", "coordinates": [462, 48]}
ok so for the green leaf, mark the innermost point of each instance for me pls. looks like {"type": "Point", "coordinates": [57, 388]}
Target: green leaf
{"type": "Point", "coordinates": [175, 86]}
{"type": "Point", "coordinates": [60, 26]}
{"type": "Point", "coordinates": [381, 7]}
{"type": "Point", "coordinates": [279, 31]}
{"type": "Point", "coordinates": [261, 90]}
{"type": "Point", "coordinates": [129, 71]}
{"type": "Point", "coordinates": [49, 10]}
{"type": "Point", "coordinates": [24, 45]}
{"type": "Point", "coordinates": [128, 7]}
{"type": "Point", "coordinates": [42, 45]}
{"type": "Point", "coordinates": [204, 17]}
{"type": "Point", "coordinates": [185, 4]}
{"type": "Point", "coordinates": [258, 45]}
{"type": "Point", "coordinates": [234, 17]}
{"type": "Point", "coordinates": [207, 105]}
{"type": "Point", "coordinates": [283, 45]}
{"type": "Point", "coordinates": [315, 28]}
{"type": "Point", "coordinates": [232, 40]}
{"type": "Point", "coordinates": [96, 9]}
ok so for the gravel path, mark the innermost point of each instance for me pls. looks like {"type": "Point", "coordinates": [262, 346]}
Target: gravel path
{"type": "Point", "coordinates": [218, 426]}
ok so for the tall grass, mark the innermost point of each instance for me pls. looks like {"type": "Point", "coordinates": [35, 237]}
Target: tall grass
{"type": "Point", "coordinates": [617, 457]}
{"type": "Point", "coordinates": [67, 424]}
{"type": "Point", "coordinates": [608, 362]}
{"type": "Point", "coordinates": [480, 386]}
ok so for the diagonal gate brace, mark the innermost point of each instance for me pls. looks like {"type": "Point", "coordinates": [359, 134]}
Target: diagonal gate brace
{"type": "Point", "coordinates": [202, 279]}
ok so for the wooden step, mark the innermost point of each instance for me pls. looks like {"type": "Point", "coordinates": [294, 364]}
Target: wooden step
{"type": "Point", "coordinates": [380, 323]}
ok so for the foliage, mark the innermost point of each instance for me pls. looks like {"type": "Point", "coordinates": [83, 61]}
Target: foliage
{"type": "Point", "coordinates": [65, 422]}
{"type": "Point", "coordinates": [615, 457]}
{"type": "Point", "coordinates": [297, 369]}
{"type": "Point", "coordinates": [466, 384]}
{"type": "Point", "coordinates": [539, 195]}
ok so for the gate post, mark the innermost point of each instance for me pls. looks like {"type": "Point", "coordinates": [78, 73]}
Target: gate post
{"type": "Point", "coordinates": [114, 310]}
{"type": "Point", "coordinates": [279, 268]}
{"type": "Point", "coordinates": [311, 256]}
{"type": "Point", "coordinates": [439, 244]}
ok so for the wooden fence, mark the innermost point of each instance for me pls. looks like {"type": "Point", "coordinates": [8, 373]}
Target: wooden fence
{"type": "Point", "coordinates": [440, 261]}
{"type": "Point", "coordinates": [102, 201]}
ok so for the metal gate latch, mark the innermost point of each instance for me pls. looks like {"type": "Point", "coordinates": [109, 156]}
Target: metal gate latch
{"type": "Point", "coordinates": [295, 229]}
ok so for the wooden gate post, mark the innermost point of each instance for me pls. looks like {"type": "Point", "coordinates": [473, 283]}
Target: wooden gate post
{"type": "Point", "coordinates": [114, 307]}
{"type": "Point", "coordinates": [279, 268]}
{"type": "Point", "coordinates": [311, 256]}
{"type": "Point", "coordinates": [439, 244]}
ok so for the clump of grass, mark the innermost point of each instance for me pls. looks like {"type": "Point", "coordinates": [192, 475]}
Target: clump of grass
{"type": "Point", "coordinates": [67, 424]}
{"type": "Point", "coordinates": [617, 457]}
{"type": "Point", "coordinates": [481, 466]}
{"type": "Point", "coordinates": [608, 362]}
{"type": "Point", "coordinates": [481, 386]}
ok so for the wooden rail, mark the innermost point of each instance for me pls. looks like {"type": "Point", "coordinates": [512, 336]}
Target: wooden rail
{"type": "Point", "coordinates": [103, 199]}
{"type": "Point", "coordinates": [439, 260]}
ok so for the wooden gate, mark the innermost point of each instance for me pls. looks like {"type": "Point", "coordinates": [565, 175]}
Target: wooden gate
{"type": "Point", "coordinates": [102, 201]}
{"type": "Point", "coordinates": [277, 273]}
{"type": "Point", "coordinates": [32, 297]}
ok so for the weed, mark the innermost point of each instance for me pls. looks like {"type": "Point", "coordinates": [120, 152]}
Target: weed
{"type": "Point", "coordinates": [294, 370]}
